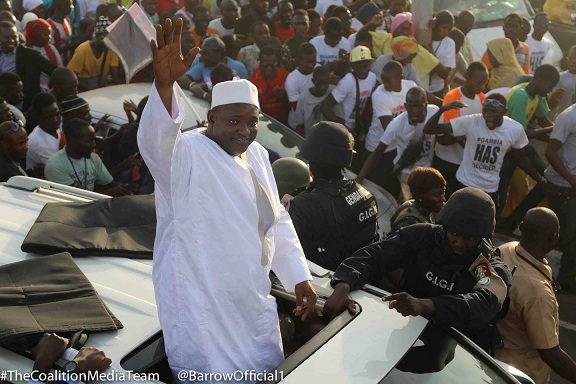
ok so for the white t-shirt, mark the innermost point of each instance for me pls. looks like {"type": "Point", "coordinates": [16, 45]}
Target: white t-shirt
{"type": "Point", "coordinates": [408, 70]}
{"type": "Point", "coordinates": [326, 54]}
{"type": "Point", "coordinates": [445, 51]}
{"type": "Point", "coordinates": [453, 153]}
{"type": "Point", "coordinates": [402, 134]}
{"type": "Point", "coordinates": [41, 146]}
{"type": "Point", "coordinates": [385, 103]}
{"type": "Point", "coordinates": [568, 84]}
{"type": "Point", "coordinates": [565, 132]}
{"type": "Point", "coordinates": [323, 5]}
{"type": "Point", "coordinates": [308, 109]}
{"type": "Point", "coordinates": [217, 24]}
{"type": "Point", "coordinates": [538, 51]}
{"type": "Point", "coordinates": [485, 149]}
{"type": "Point", "coordinates": [295, 84]}
{"type": "Point", "coordinates": [345, 93]}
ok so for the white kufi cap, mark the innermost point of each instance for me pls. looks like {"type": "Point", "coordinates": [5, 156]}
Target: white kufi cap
{"type": "Point", "coordinates": [234, 92]}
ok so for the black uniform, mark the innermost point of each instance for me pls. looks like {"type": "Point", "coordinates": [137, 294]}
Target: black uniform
{"type": "Point", "coordinates": [409, 213]}
{"type": "Point", "coordinates": [334, 218]}
{"type": "Point", "coordinates": [468, 290]}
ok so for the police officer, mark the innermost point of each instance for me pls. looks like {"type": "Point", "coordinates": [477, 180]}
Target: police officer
{"type": "Point", "coordinates": [451, 271]}
{"type": "Point", "coordinates": [292, 176]}
{"type": "Point", "coordinates": [333, 217]}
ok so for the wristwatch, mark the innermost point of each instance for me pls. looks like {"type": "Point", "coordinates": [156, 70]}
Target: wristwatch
{"type": "Point", "coordinates": [70, 367]}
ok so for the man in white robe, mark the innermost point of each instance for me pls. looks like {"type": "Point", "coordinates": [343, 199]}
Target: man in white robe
{"type": "Point", "coordinates": [217, 235]}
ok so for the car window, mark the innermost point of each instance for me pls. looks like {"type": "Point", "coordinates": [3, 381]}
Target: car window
{"type": "Point", "coordinates": [437, 357]}
{"type": "Point", "coordinates": [485, 11]}
{"type": "Point", "coordinates": [277, 137]}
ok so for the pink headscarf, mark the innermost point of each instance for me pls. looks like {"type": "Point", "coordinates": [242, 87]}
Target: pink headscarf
{"type": "Point", "coordinates": [401, 18]}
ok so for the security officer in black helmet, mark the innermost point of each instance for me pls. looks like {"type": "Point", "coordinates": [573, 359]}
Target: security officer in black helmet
{"type": "Point", "coordinates": [333, 217]}
{"type": "Point", "coordinates": [451, 271]}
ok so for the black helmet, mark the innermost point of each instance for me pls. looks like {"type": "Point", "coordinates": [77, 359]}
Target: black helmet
{"type": "Point", "coordinates": [470, 211]}
{"type": "Point", "coordinates": [290, 174]}
{"type": "Point", "coordinates": [329, 143]}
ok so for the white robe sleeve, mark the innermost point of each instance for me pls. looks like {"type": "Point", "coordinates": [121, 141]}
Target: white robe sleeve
{"type": "Point", "coordinates": [289, 263]}
{"type": "Point", "coordinates": [157, 136]}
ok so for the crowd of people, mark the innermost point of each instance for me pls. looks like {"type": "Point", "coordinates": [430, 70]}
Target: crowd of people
{"type": "Point", "coordinates": [424, 120]}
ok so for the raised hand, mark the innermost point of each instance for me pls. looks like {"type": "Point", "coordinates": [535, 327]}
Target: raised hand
{"type": "Point", "coordinates": [169, 65]}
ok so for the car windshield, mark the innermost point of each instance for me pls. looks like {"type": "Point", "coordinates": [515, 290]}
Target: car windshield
{"type": "Point", "coordinates": [436, 357]}
{"type": "Point", "coordinates": [485, 11]}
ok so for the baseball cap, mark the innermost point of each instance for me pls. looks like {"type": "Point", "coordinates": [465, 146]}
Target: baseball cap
{"type": "Point", "coordinates": [360, 53]}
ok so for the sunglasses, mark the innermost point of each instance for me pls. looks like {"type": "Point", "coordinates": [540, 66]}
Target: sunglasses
{"type": "Point", "coordinates": [493, 103]}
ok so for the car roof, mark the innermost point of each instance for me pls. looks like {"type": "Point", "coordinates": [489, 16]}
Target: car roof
{"type": "Point", "coordinates": [374, 341]}
{"type": "Point", "coordinates": [124, 284]}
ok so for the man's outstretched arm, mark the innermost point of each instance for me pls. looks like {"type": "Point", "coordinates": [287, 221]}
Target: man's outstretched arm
{"type": "Point", "coordinates": [161, 119]}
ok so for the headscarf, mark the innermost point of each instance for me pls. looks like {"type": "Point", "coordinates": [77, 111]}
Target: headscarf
{"type": "Point", "coordinates": [35, 28]}
{"type": "Point", "coordinates": [28, 16]}
{"type": "Point", "coordinates": [399, 19]}
{"type": "Point", "coordinates": [509, 69]}
{"type": "Point", "coordinates": [404, 46]}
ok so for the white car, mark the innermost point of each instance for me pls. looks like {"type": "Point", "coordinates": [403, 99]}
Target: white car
{"type": "Point", "coordinates": [490, 16]}
{"type": "Point", "coordinates": [377, 345]}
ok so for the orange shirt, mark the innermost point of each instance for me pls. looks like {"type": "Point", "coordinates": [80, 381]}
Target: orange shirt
{"type": "Point", "coordinates": [283, 34]}
{"type": "Point", "coordinates": [198, 38]}
{"type": "Point", "coordinates": [455, 95]}
{"type": "Point", "coordinates": [269, 103]}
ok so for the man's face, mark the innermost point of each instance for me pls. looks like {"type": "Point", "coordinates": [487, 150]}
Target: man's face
{"type": "Point", "coordinates": [315, 27]}
{"type": "Point", "coordinates": [545, 87]}
{"type": "Point", "coordinates": [69, 87]}
{"type": "Point", "coordinates": [361, 68]}
{"type": "Point", "coordinates": [493, 112]}
{"type": "Point", "coordinates": [49, 118]}
{"type": "Point", "coordinates": [465, 24]}
{"type": "Point", "coordinates": [86, 141]}
{"type": "Point", "coordinates": [260, 34]}
{"type": "Point", "coordinates": [285, 13]}
{"type": "Point", "coordinates": [233, 127]}
{"type": "Point", "coordinates": [81, 113]}
{"type": "Point", "coordinates": [432, 200]}
{"type": "Point", "coordinates": [346, 18]}
{"type": "Point", "coordinates": [321, 83]}
{"type": "Point", "coordinates": [201, 22]}
{"type": "Point", "coordinates": [333, 37]}
{"type": "Point", "coordinates": [268, 64]}
{"type": "Point", "coordinates": [306, 64]}
{"type": "Point", "coordinates": [392, 81]}
{"type": "Point", "coordinates": [150, 6]}
{"type": "Point", "coordinates": [68, 7]}
{"type": "Point", "coordinates": [300, 25]}
{"type": "Point", "coordinates": [460, 243]}
{"type": "Point", "coordinates": [5, 113]}
{"type": "Point", "coordinates": [477, 82]}
{"type": "Point", "coordinates": [260, 7]}
{"type": "Point", "coordinates": [229, 11]}
{"type": "Point", "coordinates": [416, 109]}
{"type": "Point", "coordinates": [541, 24]}
{"type": "Point", "coordinates": [213, 57]}
{"type": "Point", "coordinates": [15, 144]}
{"type": "Point", "coordinates": [572, 61]}
{"type": "Point", "coordinates": [8, 39]}
{"type": "Point", "coordinates": [14, 94]}
{"type": "Point", "coordinates": [397, 6]}
{"type": "Point", "coordinates": [444, 30]}
{"type": "Point", "coordinates": [512, 27]}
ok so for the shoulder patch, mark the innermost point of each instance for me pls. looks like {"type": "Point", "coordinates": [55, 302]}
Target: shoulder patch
{"type": "Point", "coordinates": [482, 274]}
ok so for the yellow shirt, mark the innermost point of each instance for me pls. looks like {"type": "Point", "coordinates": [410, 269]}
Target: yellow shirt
{"type": "Point", "coordinates": [532, 320]}
{"type": "Point", "coordinates": [86, 65]}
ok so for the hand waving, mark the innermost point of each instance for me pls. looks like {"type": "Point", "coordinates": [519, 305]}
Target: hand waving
{"type": "Point", "coordinates": [169, 65]}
